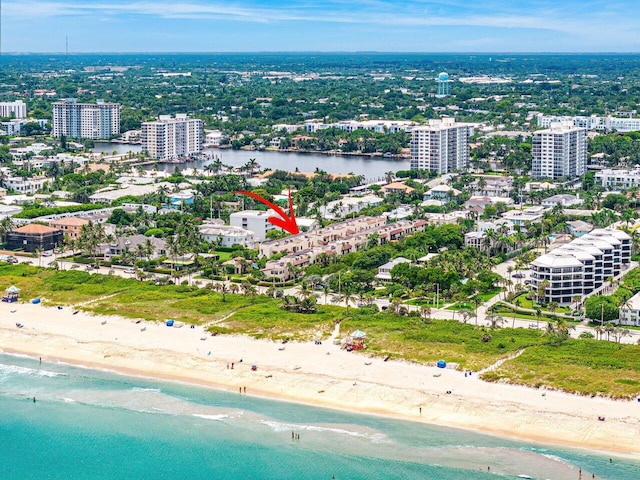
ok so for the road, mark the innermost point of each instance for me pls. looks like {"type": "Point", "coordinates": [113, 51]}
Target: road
{"type": "Point", "coordinates": [438, 313]}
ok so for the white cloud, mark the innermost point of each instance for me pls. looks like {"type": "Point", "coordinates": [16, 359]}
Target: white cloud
{"type": "Point", "coordinates": [439, 13]}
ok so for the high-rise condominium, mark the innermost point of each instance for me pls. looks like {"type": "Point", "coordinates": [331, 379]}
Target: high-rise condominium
{"type": "Point", "coordinates": [172, 138]}
{"type": "Point", "coordinates": [559, 151]}
{"type": "Point", "coordinates": [96, 121]}
{"type": "Point", "coordinates": [441, 147]}
{"type": "Point", "coordinates": [17, 109]}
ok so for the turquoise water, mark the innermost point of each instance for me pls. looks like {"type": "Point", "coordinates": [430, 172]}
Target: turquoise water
{"type": "Point", "coordinates": [89, 424]}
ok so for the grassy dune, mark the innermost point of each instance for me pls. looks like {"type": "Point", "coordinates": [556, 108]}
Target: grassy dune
{"type": "Point", "coordinates": [583, 366]}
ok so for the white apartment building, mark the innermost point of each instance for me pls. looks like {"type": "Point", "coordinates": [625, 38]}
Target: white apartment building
{"type": "Point", "coordinates": [100, 120]}
{"type": "Point", "coordinates": [170, 138]}
{"type": "Point", "coordinates": [22, 185]}
{"type": "Point", "coordinates": [256, 221]}
{"type": "Point", "coordinates": [559, 151]}
{"type": "Point", "coordinates": [17, 109]}
{"type": "Point", "coordinates": [441, 147]}
{"type": "Point", "coordinates": [593, 123]}
{"type": "Point", "coordinates": [630, 312]}
{"type": "Point", "coordinates": [227, 236]}
{"type": "Point", "coordinates": [581, 266]}
{"type": "Point", "coordinates": [377, 126]}
{"type": "Point", "coordinates": [614, 178]}
{"type": "Point", "coordinates": [14, 126]}
{"type": "Point", "coordinates": [348, 205]}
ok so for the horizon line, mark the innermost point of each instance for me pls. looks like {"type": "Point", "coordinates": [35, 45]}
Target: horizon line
{"type": "Point", "coordinates": [320, 52]}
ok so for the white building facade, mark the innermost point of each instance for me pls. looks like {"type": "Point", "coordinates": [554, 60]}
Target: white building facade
{"type": "Point", "coordinates": [593, 123]}
{"type": "Point", "coordinates": [441, 147]}
{"type": "Point", "coordinates": [17, 109]}
{"type": "Point", "coordinates": [227, 236]}
{"type": "Point", "coordinates": [559, 151]}
{"type": "Point", "coordinates": [256, 221]}
{"type": "Point", "coordinates": [615, 178]}
{"type": "Point", "coordinates": [170, 138]}
{"type": "Point", "coordinates": [95, 121]}
{"type": "Point", "coordinates": [581, 266]}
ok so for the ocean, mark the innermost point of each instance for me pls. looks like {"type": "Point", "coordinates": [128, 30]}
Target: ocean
{"type": "Point", "coordinates": [89, 424]}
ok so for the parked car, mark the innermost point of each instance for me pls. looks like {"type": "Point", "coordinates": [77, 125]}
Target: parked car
{"type": "Point", "coordinates": [48, 253]}
{"type": "Point", "coordinates": [129, 270]}
{"type": "Point", "coordinates": [518, 275]}
{"type": "Point", "coordinates": [12, 260]}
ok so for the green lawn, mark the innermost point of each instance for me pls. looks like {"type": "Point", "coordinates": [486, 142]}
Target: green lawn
{"type": "Point", "coordinates": [484, 297]}
{"type": "Point", "coordinates": [527, 303]}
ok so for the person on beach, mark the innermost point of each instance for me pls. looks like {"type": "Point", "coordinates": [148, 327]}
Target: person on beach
{"type": "Point", "coordinates": [240, 388]}
{"type": "Point", "coordinates": [232, 364]}
{"type": "Point", "coordinates": [244, 389]}
{"type": "Point", "coordinates": [34, 399]}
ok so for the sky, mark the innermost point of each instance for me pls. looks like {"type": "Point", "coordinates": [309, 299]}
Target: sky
{"type": "Point", "coordinates": [333, 25]}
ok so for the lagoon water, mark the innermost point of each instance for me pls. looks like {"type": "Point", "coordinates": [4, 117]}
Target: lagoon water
{"type": "Point", "coordinates": [305, 162]}
{"type": "Point", "coordinates": [89, 424]}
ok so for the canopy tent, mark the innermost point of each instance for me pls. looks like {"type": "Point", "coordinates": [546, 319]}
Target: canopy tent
{"type": "Point", "coordinates": [358, 334]}
{"type": "Point", "coordinates": [11, 294]}
{"type": "Point", "coordinates": [355, 341]}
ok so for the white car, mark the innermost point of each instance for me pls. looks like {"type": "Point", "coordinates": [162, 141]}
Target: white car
{"type": "Point", "coordinates": [48, 253]}
{"type": "Point", "coordinates": [129, 270]}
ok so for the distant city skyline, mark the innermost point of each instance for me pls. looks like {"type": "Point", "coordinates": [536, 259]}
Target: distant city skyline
{"type": "Point", "coordinates": [303, 25]}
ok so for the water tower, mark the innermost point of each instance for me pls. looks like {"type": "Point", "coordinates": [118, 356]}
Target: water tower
{"type": "Point", "coordinates": [443, 84]}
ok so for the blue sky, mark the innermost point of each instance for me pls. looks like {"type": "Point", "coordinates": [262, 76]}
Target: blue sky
{"type": "Point", "coordinates": [334, 25]}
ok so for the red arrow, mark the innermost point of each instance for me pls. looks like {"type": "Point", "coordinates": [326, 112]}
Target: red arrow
{"type": "Point", "coordinates": [286, 223]}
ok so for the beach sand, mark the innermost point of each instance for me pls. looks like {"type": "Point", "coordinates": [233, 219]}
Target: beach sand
{"type": "Point", "coordinates": [321, 375]}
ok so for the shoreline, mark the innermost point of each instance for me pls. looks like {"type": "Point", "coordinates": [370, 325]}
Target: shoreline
{"type": "Point", "coordinates": [321, 376]}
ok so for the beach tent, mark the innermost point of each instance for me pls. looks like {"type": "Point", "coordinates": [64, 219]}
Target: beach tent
{"type": "Point", "coordinates": [442, 364]}
{"type": "Point", "coordinates": [11, 294]}
{"type": "Point", "coordinates": [356, 340]}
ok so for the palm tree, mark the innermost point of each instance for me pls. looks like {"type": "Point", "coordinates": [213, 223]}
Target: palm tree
{"type": "Point", "coordinates": [389, 176]}
{"type": "Point", "coordinates": [538, 314]}
{"type": "Point", "coordinates": [223, 289]}
{"type": "Point", "coordinates": [6, 225]}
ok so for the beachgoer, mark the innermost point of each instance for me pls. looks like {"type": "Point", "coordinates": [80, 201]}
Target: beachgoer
{"type": "Point", "coordinates": [420, 410]}
{"type": "Point", "coordinates": [240, 388]}
{"type": "Point", "coordinates": [40, 360]}
{"type": "Point", "coordinates": [232, 364]}
{"type": "Point", "coordinates": [245, 389]}
{"type": "Point", "coordinates": [293, 435]}
{"type": "Point", "coordinates": [227, 366]}
{"type": "Point", "coordinates": [34, 399]}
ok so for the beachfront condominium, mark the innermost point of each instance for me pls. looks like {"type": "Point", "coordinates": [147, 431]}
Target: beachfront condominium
{"type": "Point", "coordinates": [17, 109]}
{"type": "Point", "coordinates": [97, 121]}
{"type": "Point", "coordinates": [559, 151]}
{"type": "Point", "coordinates": [441, 147]}
{"type": "Point", "coordinates": [581, 266]}
{"type": "Point", "coordinates": [172, 138]}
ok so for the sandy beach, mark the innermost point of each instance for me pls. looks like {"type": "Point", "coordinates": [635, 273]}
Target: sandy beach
{"type": "Point", "coordinates": [321, 375]}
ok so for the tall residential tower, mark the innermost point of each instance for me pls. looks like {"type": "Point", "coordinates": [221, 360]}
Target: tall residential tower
{"type": "Point", "coordinates": [441, 147]}
{"type": "Point", "coordinates": [559, 151]}
{"type": "Point", "coordinates": [17, 109]}
{"type": "Point", "coordinates": [172, 138]}
{"type": "Point", "coordinates": [96, 121]}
